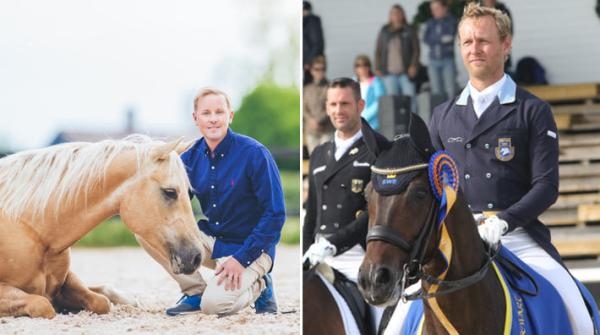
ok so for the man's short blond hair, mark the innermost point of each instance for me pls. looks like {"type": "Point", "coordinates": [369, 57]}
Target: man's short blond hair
{"type": "Point", "coordinates": [211, 91]}
{"type": "Point", "coordinates": [474, 11]}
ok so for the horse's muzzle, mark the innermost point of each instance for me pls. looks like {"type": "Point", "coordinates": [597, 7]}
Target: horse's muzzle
{"type": "Point", "coordinates": [185, 260]}
{"type": "Point", "coordinates": [379, 284]}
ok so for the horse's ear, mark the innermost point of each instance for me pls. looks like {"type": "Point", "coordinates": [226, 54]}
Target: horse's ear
{"type": "Point", "coordinates": [419, 135]}
{"type": "Point", "coordinates": [183, 146]}
{"type": "Point", "coordinates": [375, 142]}
{"type": "Point", "coordinates": [162, 151]}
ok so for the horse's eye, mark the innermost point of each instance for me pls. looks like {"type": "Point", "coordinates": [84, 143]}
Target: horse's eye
{"type": "Point", "coordinates": [421, 194]}
{"type": "Point", "coordinates": [169, 193]}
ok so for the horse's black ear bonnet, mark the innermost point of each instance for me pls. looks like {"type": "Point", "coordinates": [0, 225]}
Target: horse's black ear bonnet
{"type": "Point", "coordinates": [408, 150]}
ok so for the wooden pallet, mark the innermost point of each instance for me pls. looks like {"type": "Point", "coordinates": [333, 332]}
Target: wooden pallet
{"type": "Point", "coordinates": [580, 154]}
{"type": "Point", "coordinates": [578, 140]}
{"type": "Point", "coordinates": [572, 104]}
{"type": "Point", "coordinates": [579, 185]}
{"type": "Point", "coordinates": [577, 118]}
{"type": "Point", "coordinates": [559, 217]}
{"type": "Point", "coordinates": [577, 242]}
{"type": "Point", "coordinates": [573, 210]}
{"type": "Point", "coordinates": [566, 92]}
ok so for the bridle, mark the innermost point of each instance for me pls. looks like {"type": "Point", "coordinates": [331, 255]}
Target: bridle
{"type": "Point", "coordinates": [413, 269]}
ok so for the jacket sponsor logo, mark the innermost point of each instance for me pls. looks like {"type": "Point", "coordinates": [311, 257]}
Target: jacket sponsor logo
{"type": "Point", "coordinates": [505, 151]}
{"type": "Point", "coordinates": [455, 139]}
{"type": "Point", "coordinates": [357, 185]}
{"type": "Point", "coordinates": [359, 164]}
{"type": "Point", "coordinates": [319, 169]}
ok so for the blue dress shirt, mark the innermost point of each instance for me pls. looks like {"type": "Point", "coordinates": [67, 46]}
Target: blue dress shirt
{"type": "Point", "coordinates": [240, 192]}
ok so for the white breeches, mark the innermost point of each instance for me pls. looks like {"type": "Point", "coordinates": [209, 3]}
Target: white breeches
{"type": "Point", "coordinates": [348, 263]}
{"type": "Point", "coordinates": [522, 245]}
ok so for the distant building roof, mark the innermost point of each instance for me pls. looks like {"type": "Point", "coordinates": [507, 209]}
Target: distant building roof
{"type": "Point", "coordinates": [74, 135]}
{"type": "Point", "coordinates": [91, 136]}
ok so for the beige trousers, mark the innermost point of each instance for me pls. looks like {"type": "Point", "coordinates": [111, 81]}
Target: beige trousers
{"type": "Point", "coordinates": [215, 299]}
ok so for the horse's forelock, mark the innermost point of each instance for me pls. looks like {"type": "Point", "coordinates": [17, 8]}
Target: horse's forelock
{"type": "Point", "coordinates": [177, 170]}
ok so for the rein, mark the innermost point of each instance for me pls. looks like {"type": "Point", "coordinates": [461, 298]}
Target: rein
{"type": "Point", "coordinates": [451, 285]}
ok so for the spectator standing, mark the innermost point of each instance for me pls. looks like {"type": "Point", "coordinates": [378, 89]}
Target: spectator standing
{"type": "Point", "coordinates": [397, 55]}
{"type": "Point", "coordinates": [313, 44]}
{"type": "Point", "coordinates": [371, 88]}
{"type": "Point", "coordinates": [440, 33]}
{"type": "Point", "coordinates": [317, 126]}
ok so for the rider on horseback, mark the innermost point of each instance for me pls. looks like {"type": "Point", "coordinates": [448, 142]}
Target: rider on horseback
{"type": "Point", "coordinates": [335, 225]}
{"type": "Point", "coordinates": [505, 143]}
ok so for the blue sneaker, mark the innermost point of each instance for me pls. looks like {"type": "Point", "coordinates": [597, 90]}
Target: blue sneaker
{"type": "Point", "coordinates": [186, 305]}
{"type": "Point", "coordinates": [265, 303]}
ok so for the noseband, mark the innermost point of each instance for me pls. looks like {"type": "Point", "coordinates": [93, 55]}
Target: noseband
{"type": "Point", "coordinates": [412, 270]}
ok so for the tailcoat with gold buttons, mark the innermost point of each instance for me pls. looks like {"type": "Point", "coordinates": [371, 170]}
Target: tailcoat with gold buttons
{"type": "Point", "coordinates": [336, 206]}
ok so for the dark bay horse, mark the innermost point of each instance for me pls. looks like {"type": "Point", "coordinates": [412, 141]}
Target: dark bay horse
{"type": "Point", "coordinates": [410, 238]}
{"type": "Point", "coordinates": [320, 314]}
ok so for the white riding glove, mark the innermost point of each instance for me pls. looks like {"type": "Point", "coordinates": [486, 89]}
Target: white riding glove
{"type": "Point", "coordinates": [320, 250]}
{"type": "Point", "coordinates": [491, 229]}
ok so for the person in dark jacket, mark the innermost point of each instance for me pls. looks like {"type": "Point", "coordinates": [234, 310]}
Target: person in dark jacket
{"type": "Point", "coordinates": [313, 44]}
{"type": "Point", "coordinates": [505, 143]}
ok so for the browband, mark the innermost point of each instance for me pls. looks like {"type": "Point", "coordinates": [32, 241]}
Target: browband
{"type": "Point", "coordinates": [399, 170]}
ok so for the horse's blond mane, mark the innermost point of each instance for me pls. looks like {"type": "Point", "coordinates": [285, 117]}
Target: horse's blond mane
{"type": "Point", "coordinates": [54, 176]}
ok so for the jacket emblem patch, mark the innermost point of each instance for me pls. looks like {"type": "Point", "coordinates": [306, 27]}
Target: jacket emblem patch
{"type": "Point", "coordinates": [357, 185]}
{"type": "Point", "coordinates": [505, 151]}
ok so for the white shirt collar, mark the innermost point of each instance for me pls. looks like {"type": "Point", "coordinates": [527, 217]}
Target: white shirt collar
{"type": "Point", "coordinates": [506, 92]}
{"type": "Point", "coordinates": [341, 146]}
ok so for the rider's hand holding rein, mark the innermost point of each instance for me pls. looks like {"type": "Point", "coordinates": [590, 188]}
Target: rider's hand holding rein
{"type": "Point", "coordinates": [491, 229]}
{"type": "Point", "coordinates": [320, 250]}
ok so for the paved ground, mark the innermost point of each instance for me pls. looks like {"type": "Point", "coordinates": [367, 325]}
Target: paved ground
{"type": "Point", "coordinates": [133, 271]}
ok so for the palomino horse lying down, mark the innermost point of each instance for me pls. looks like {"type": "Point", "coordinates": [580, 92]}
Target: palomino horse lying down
{"type": "Point", "coordinates": [50, 198]}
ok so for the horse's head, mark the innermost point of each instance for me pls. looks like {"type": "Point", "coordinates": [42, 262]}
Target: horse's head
{"type": "Point", "coordinates": [401, 209]}
{"type": "Point", "coordinates": [155, 205]}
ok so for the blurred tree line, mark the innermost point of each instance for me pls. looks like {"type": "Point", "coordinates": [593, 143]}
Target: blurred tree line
{"type": "Point", "coordinates": [271, 114]}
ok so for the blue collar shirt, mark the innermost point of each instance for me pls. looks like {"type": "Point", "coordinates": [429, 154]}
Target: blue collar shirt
{"type": "Point", "coordinates": [239, 189]}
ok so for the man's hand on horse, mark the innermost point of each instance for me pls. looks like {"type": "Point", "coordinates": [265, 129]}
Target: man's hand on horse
{"type": "Point", "coordinates": [491, 229]}
{"type": "Point", "coordinates": [230, 273]}
{"type": "Point", "coordinates": [320, 250]}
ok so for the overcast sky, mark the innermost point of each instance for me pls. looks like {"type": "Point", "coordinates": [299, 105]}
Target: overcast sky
{"type": "Point", "coordinates": [68, 64]}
